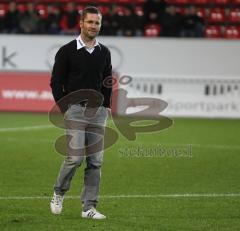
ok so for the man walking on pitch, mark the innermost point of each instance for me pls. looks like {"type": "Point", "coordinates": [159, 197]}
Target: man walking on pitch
{"type": "Point", "coordinates": [83, 64]}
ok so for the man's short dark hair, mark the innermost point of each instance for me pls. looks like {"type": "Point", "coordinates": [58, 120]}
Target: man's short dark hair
{"type": "Point", "coordinates": [90, 10]}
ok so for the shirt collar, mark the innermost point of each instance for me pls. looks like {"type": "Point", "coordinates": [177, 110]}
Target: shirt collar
{"type": "Point", "coordinates": [81, 44]}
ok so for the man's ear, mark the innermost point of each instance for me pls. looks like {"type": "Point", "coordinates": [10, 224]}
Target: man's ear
{"type": "Point", "coordinates": [81, 23]}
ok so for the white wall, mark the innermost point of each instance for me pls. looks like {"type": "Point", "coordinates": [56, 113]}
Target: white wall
{"type": "Point", "coordinates": [198, 57]}
{"type": "Point", "coordinates": [183, 68]}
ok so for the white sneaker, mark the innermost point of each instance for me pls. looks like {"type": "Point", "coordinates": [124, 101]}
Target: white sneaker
{"type": "Point", "coordinates": [56, 204]}
{"type": "Point", "coordinates": [93, 213]}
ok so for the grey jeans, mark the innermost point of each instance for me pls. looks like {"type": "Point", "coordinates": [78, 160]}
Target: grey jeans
{"type": "Point", "coordinates": [85, 132]}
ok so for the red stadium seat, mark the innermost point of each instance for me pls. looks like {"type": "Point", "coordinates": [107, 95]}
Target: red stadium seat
{"type": "Point", "coordinates": [120, 10]}
{"type": "Point", "coordinates": [80, 8]}
{"type": "Point", "coordinates": [139, 2]}
{"type": "Point", "coordinates": [181, 10]}
{"type": "Point", "coordinates": [201, 2]}
{"type": "Point", "coordinates": [202, 13]}
{"type": "Point", "coordinates": [231, 32]}
{"type": "Point", "coordinates": [213, 32]}
{"type": "Point", "coordinates": [217, 15]}
{"type": "Point", "coordinates": [124, 1]}
{"type": "Point", "coordinates": [221, 2]}
{"type": "Point", "coordinates": [234, 16]}
{"type": "Point", "coordinates": [104, 1]}
{"type": "Point", "coordinates": [42, 10]}
{"type": "Point", "coordinates": [237, 2]}
{"type": "Point", "coordinates": [80, 1]}
{"type": "Point", "coordinates": [3, 10]}
{"type": "Point", "coordinates": [139, 10]}
{"type": "Point", "coordinates": [182, 1]}
{"type": "Point", "coordinates": [104, 9]}
{"type": "Point", "coordinates": [22, 8]}
{"type": "Point", "coordinates": [152, 30]}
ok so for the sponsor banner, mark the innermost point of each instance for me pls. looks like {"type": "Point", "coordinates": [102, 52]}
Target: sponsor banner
{"type": "Point", "coordinates": [130, 56]}
{"type": "Point", "coordinates": [25, 92]}
{"type": "Point", "coordinates": [203, 107]}
{"type": "Point", "coordinates": [185, 96]}
{"type": "Point", "coordinates": [196, 77]}
{"type": "Point", "coordinates": [30, 91]}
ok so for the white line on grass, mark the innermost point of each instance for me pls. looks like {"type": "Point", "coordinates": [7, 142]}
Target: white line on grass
{"type": "Point", "coordinates": [220, 146]}
{"type": "Point", "coordinates": [28, 128]}
{"type": "Point", "coordinates": [41, 127]}
{"type": "Point", "coordinates": [214, 146]}
{"type": "Point", "coordinates": [209, 146]}
{"type": "Point", "coordinates": [187, 195]}
{"type": "Point", "coordinates": [217, 146]}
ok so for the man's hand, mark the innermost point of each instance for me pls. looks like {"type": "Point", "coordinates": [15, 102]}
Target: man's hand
{"type": "Point", "coordinates": [109, 110]}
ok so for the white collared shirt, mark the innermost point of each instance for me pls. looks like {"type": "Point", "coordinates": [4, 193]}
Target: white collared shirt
{"type": "Point", "coordinates": [81, 44]}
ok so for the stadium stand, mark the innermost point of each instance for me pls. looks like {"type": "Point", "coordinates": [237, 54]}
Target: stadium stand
{"type": "Point", "coordinates": [173, 18]}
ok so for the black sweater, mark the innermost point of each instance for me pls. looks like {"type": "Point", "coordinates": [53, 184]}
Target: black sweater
{"type": "Point", "coordinates": [78, 69]}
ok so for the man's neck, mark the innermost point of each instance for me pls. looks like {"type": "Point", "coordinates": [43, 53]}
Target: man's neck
{"type": "Point", "coordinates": [88, 41]}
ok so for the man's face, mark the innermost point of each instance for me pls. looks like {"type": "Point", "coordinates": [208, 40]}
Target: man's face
{"type": "Point", "coordinates": [90, 25]}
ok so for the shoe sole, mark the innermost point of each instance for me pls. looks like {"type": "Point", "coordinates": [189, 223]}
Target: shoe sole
{"type": "Point", "coordinates": [54, 212]}
{"type": "Point", "coordinates": [94, 218]}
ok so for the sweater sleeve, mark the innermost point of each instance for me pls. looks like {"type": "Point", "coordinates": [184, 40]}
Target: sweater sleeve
{"type": "Point", "coordinates": [59, 74]}
{"type": "Point", "coordinates": [107, 82]}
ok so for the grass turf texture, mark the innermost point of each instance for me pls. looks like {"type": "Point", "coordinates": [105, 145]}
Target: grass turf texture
{"type": "Point", "coordinates": [29, 167]}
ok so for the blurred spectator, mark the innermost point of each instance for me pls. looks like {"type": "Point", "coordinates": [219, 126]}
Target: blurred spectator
{"type": "Point", "coordinates": [139, 25]}
{"type": "Point", "coordinates": [70, 21]}
{"type": "Point", "coordinates": [129, 24]}
{"type": "Point", "coordinates": [153, 11]}
{"type": "Point", "coordinates": [29, 20]}
{"type": "Point", "coordinates": [52, 23]}
{"type": "Point", "coordinates": [171, 22]}
{"type": "Point", "coordinates": [109, 23]}
{"type": "Point", "coordinates": [192, 25]}
{"type": "Point", "coordinates": [1, 24]}
{"type": "Point", "coordinates": [2, 17]}
{"type": "Point", "coordinates": [11, 21]}
{"type": "Point", "coordinates": [120, 20]}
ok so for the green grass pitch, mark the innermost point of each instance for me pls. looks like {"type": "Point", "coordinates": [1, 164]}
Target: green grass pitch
{"type": "Point", "coordinates": [197, 191]}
